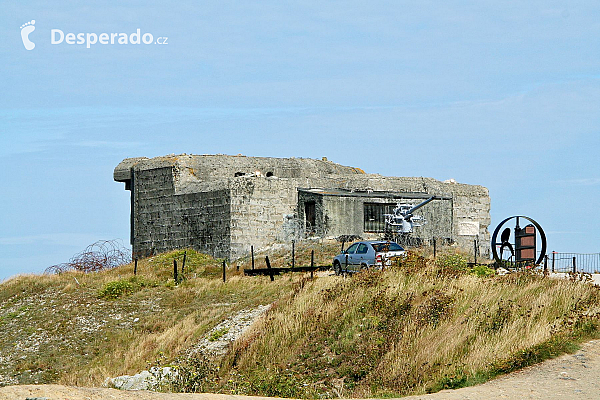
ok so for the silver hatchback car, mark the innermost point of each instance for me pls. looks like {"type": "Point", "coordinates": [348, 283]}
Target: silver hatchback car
{"type": "Point", "coordinates": [366, 254]}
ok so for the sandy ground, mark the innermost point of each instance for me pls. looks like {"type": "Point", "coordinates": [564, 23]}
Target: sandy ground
{"type": "Point", "coordinates": [573, 376]}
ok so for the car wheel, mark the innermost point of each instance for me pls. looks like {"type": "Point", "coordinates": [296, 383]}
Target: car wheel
{"type": "Point", "coordinates": [337, 268]}
{"type": "Point", "coordinates": [364, 267]}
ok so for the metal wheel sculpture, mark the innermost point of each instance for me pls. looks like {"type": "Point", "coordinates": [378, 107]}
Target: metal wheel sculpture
{"type": "Point", "coordinates": [524, 249]}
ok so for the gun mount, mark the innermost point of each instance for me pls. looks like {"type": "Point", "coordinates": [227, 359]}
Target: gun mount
{"type": "Point", "coordinates": [403, 218]}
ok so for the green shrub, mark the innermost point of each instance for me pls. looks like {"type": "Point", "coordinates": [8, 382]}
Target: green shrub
{"type": "Point", "coordinates": [451, 264]}
{"type": "Point", "coordinates": [483, 271]}
{"type": "Point", "coordinates": [276, 383]}
{"type": "Point", "coordinates": [189, 375]}
{"type": "Point", "coordinates": [116, 289]}
{"type": "Point", "coordinates": [412, 262]}
{"type": "Point", "coordinates": [449, 382]}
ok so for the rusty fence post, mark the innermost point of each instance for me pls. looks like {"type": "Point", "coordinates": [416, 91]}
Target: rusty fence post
{"type": "Point", "coordinates": [553, 259]}
{"type": "Point", "coordinates": [135, 266]}
{"type": "Point", "coordinates": [183, 263]}
{"type": "Point", "coordinates": [175, 276]}
{"type": "Point", "coordinates": [312, 263]}
{"type": "Point", "coordinates": [224, 271]}
{"type": "Point", "coordinates": [434, 248]}
{"type": "Point", "coordinates": [346, 262]}
{"type": "Point", "coordinates": [252, 251]}
{"type": "Point", "coordinates": [269, 267]}
{"type": "Point", "coordinates": [293, 255]}
{"type": "Point", "coordinates": [574, 265]}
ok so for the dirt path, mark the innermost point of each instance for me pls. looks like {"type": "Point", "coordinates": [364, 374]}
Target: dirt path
{"type": "Point", "coordinates": [574, 376]}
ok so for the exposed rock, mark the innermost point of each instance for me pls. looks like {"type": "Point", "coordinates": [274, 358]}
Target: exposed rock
{"type": "Point", "coordinates": [142, 381]}
{"type": "Point", "coordinates": [145, 380]}
{"type": "Point", "coordinates": [213, 345]}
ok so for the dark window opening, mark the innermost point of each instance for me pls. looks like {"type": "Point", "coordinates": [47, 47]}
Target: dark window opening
{"type": "Point", "coordinates": [239, 174]}
{"type": "Point", "coordinates": [375, 216]}
{"type": "Point", "coordinates": [310, 215]}
{"type": "Point", "coordinates": [269, 174]}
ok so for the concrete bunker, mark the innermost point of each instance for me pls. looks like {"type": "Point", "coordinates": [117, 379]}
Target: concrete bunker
{"type": "Point", "coordinates": [201, 201]}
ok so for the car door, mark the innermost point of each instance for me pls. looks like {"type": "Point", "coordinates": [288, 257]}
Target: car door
{"type": "Point", "coordinates": [350, 253]}
{"type": "Point", "coordinates": [361, 256]}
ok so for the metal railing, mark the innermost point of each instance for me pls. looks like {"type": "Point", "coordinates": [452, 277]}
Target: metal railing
{"type": "Point", "coordinates": [574, 262]}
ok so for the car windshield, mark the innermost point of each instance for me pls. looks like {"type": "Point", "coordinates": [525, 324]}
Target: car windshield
{"type": "Point", "coordinates": [352, 248]}
{"type": "Point", "coordinates": [391, 246]}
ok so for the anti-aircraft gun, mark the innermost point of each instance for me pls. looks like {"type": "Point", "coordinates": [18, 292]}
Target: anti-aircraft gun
{"type": "Point", "coordinates": [403, 220]}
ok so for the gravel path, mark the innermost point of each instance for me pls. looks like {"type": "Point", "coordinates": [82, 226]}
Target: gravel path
{"type": "Point", "coordinates": [573, 376]}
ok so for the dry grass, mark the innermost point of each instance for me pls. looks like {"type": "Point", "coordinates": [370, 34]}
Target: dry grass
{"type": "Point", "coordinates": [281, 255]}
{"type": "Point", "coordinates": [395, 333]}
{"type": "Point", "coordinates": [61, 328]}
{"type": "Point", "coordinates": [419, 327]}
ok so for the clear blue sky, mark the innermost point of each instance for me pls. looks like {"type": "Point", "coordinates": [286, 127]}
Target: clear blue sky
{"type": "Point", "coordinates": [500, 94]}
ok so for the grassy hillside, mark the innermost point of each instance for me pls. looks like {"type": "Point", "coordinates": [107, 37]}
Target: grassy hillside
{"type": "Point", "coordinates": [419, 328]}
{"type": "Point", "coordinates": [78, 328]}
{"type": "Point", "coordinates": [422, 326]}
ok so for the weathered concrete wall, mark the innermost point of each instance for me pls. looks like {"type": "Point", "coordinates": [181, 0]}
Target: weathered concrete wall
{"type": "Point", "coordinates": [343, 216]}
{"type": "Point", "coordinates": [164, 220]}
{"type": "Point", "coordinates": [151, 191]}
{"type": "Point", "coordinates": [187, 201]}
{"type": "Point", "coordinates": [211, 167]}
{"type": "Point", "coordinates": [262, 212]}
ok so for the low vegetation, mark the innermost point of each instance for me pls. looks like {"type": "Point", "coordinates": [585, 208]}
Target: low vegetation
{"type": "Point", "coordinates": [79, 328]}
{"type": "Point", "coordinates": [419, 326]}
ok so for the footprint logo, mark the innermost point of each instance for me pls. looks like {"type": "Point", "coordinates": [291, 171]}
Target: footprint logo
{"type": "Point", "coordinates": [26, 29]}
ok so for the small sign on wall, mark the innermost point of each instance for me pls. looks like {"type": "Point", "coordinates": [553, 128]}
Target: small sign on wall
{"type": "Point", "coordinates": [468, 228]}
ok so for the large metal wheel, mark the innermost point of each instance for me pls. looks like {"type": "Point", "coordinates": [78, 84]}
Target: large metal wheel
{"type": "Point", "coordinates": [495, 243]}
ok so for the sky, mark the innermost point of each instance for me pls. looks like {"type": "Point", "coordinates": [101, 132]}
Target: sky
{"type": "Point", "coordinates": [500, 94]}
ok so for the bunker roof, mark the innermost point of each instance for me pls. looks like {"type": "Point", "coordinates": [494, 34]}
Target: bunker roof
{"type": "Point", "coordinates": [210, 167]}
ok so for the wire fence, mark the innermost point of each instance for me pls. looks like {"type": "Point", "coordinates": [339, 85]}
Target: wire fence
{"type": "Point", "coordinates": [574, 262]}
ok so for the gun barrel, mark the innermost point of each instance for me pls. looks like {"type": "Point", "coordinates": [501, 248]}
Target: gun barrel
{"type": "Point", "coordinates": [415, 208]}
